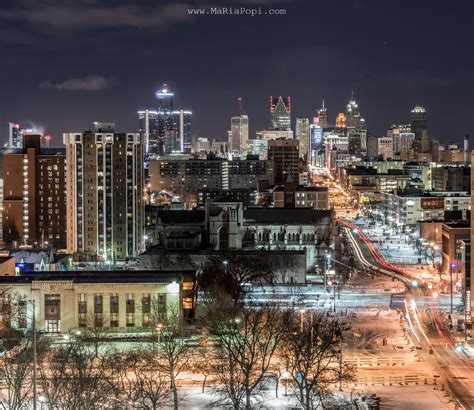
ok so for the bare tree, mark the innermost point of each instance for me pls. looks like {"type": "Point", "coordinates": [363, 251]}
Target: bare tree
{"type": "Point", "coordinates": [283, 265]}
{"type": "Point", "coordinates": [95, 332]}
{"type": "Point", "coordinates": [138, 383]}
{"type": "Point", "coordinates": [233, 271]}
{"type": "Point", "coordinates": [243, 351]}
{"type": "Point", "coordinates": [313, 355]}
{"type": "Point", "coordinates": [16, 371]}
{"type": "Point", "coordinates": [201, 363]}
{"type": "Point", "coordinates": [174, 353]}
{"type": "Point", "coordinates": [74, 378]}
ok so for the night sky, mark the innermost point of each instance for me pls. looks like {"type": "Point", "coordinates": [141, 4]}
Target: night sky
{"type": "Point", "coordinates": [65, 64]}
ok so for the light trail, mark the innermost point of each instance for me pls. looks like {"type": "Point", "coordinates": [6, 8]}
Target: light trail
{"type": "Point", "coordinates": [409, 321]}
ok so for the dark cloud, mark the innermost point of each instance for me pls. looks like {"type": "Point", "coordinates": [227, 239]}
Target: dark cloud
{"type": "Point", "coordinates": [89, 83]}
{"type": "Point", "coordinates": [84, 15]}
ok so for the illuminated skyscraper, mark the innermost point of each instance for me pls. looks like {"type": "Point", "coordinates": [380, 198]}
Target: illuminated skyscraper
{"type": "Point", "coordinates": [239, 134]}
{"type": "Point", "coordinates": [148, 128]}
{"type": "Point", "coordinates": [356, 128]}
{"type": "Point", "coordinates": [34, 204]}
{"type": "Point", "coordinates": [303, 135]}
{"type": "Point", "coordinates": [419, 122]}
{"type": "Point", "coordinates": [182, 131]}
{"type": "Point", "coordinates": [341, 121]}
{"type": "Point", "coordinates": [165, 120]}
{"type": "Point", "coordinates": [323, 116]}
{"type": "Point", "coordinates": [105, 218]}
{"type": "Point", "coordinates": [15, 134]}
{"type": "Point", "coordinates": [280, 109]}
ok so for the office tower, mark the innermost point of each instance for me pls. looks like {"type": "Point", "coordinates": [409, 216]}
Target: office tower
{"type": "Point", "coordinates": [406, 140]}
{"type": "Point", "coordinates": [419, 122]}
{"type": "Point", "coordinates": [395, 131]}
{"type": "Point", "coordinates": [15, 134]}
{"type": "Point", "coordinates": [341, 122]}
{"type": "Point", "coordinates": [148, 128]}
{"type": "Point", "coordinates": [385, 148]}
{"type": "Point", "coordinates": [105, 194]}
{"type": "Point", "coordinates": [353, 118]}
{"type": "Point", "coordinates": [165, 120]}
{"type": "Point", "coordinates": [280, 109]}
{"type": "Point", "coordinates": [316, 142]}
{"type": "Point", "coordinates": [372, 146]}
{"type": "Point", "coordinates": [182, 131]}
{"type": "Point", "coordinates": [239, 127]}
{"type": "Point", "coordinates": [323, 116]}
{"type": "Point", "coordinates": [356, 128]}
{"type": "Point", "coordinates": [303, 135]}
{"type": "Point", "coordinates": [285, 156]}
{"type": "Point", "coordinates": [34, 203]}
{"type": "Point", "coordinates": [203, 144]}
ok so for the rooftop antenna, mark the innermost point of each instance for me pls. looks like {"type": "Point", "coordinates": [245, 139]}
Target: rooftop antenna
{"type": "Point", "coordinates": [323, 108]}
{"type": "Point", "coordinates": [239, 99]}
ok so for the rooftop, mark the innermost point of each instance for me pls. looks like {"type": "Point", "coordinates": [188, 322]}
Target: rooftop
{"type": "Point", "coordinates": [181, 217]}
{"type": "Point", "coordinates": [97, 277]}
{"type": "Point", "coordinates": [284, 216]}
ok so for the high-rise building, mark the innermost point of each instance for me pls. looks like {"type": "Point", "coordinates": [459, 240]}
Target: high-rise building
{"type": "Point", "coordinates": [34, 203]}
{"type": "Point", "coordinates": [323, 116]}
{"type": "Point", "coordinates": [356, 128]}
{"type": "Point", "coordinates": [280, 109]}
{"type": "Point", "coordinates": [105, 194]}
{"type": "Point", "coordinates": [15, 134]}
{"type": "Point", "coordinates": [316, 142]}
{"type": "Point", "coordinates": [419, 122]}
{"type": "Point", "coordinates": [372, 146]}
{"type": "Point", "coordinates": [395, 132]}
{"type": "Point", "coordinates": [182, 131]}
{"type": "Point", "coordinates": [148, 128]}
{"type": "Point", "coordinates": [303, 135]}
{"type": "Point", "coordinates": [285, 156]}
{"type": "Point", "coordinates": [341, 121]}
{"type": "Point", "coordinates": [385, 148]}
{"type": "Point", "coordinates": [239, 127]}
{"type": "Point", "coordinates": [165, 120]}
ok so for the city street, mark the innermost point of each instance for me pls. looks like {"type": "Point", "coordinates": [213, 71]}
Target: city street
{"type": "Point", "coordinates": [424, 323]}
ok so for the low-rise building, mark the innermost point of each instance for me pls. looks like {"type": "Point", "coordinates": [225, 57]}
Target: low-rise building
{"type": "Point", "coordinates": [314, 197]}
{"type": "Point", "coordinates": [64, 301]}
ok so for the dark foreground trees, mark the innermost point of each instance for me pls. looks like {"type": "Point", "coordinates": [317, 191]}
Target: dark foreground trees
{"type": "Point", "coordinates": [233, 271]}
{"type": "Point", "coordinates": [244, 347]}
{"type": "Point", "coordinates": [240, 349]}
{"type": "Point", "coordinates": [312, 353]}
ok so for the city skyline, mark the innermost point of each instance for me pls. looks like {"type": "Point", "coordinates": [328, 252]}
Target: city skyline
{"type": "Point", "coordinates": [95, 78]}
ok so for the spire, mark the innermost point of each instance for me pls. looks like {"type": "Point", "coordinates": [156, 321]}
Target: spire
{"type": "Point", "coordinates": [352, 95]}
{"type": "Point", "coordinates": [323, 108]}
